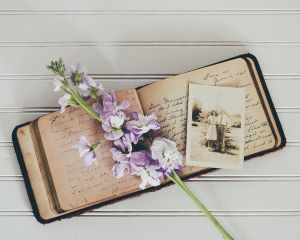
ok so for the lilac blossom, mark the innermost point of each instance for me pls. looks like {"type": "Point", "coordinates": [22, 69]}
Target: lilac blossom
{"type": "Point", "coordinates": [142, 124]}
{"type": "Point", "coordinates": [149, 175]}
{"type": "Point", "coordinates": [137, 163]}
{"type": "Point", "coordinates": [120, 169]}
{"type": "Point", "coordinates": [122, 165]}
{"type": "Point", "coordinates": [57, 81]}
{"type": "Point", "coordinates": [86, 85]}
{"type": "Point", "coordinates": [76, 74]}
{"type": "Point", "coordinates": [121, 154]}
{"type": "Point", "coordinates": [166, 153]}
{"type": "Point", "coordinates": [64, 101]}
{"type": "Point", "coordinates": [125, 143]}
{"type": "Point", "coordinates": [86, 150]}
{"type": "Point", "coordinates": [89, 87]}
{"type": "Point", "coordinates": [111, 107]}
{"type": "Point", "coordinates": [113, 126]}
{"type": "Point", "coordinates": [132, 162]}
{"type": "Point", "coordinates": [89, 82]}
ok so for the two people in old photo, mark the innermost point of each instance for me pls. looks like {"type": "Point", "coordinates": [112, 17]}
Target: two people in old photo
{"type": "Point", "coordinates": [215, 129]}
{"type": "Point", "coordinates": [217, 124]}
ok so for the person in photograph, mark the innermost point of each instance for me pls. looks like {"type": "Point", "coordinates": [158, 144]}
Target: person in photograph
{"type": "Point", "coordinates": [223, 122]}
{"type": "Point", "coordinates": [211, 132]}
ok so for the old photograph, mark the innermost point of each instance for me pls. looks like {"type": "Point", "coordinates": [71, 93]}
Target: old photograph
{"type": "Point", "coordinates": [215, 129]}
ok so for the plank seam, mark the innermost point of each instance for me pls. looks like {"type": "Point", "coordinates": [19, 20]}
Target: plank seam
{"type": "Point", "coordinates": [224, 178]}
{"type": "Point", "coordinates": [127, 77]}
{"type": "Point", "coordinates": [152, 44]}
{"type": "Point", "coordinates": [150, 12]}
{"type": "Point", "coordinates": [154, 213]}
{"type": "Point", "coordinates": [38, 110]}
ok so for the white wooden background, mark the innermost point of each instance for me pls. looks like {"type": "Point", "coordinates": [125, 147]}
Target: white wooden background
{"type": "Point", "coordinates": [128, 43]}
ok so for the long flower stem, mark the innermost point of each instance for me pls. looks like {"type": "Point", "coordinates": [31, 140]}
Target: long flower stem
{"type": "Point", "coordinates": [176, 179]}
{"type": "Point", "coordinates": [85, 106]}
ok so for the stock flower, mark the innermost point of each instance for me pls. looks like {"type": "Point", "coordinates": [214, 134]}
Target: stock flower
{"type": "Point", "coordinates": [110, 105]}
{"type": "Point", "coordinates": [86, 85]}
{"type": "Point", "coordinates": [134, 163]}
{"type": "Point", "coordinates": [86, 151]}
{"type": "Point", "coordinates": [76, 74]}
{"type": "Point", "coordinates": [89, 87]}
{"type": "Point", "coordinates": [142, 124]}
{"type": "Point", "coordinates": [125, 143]}
{"type": "Point", "coordinates": [143, 166]}
{"type": "Point", "coordinates": [127, 162]}
{"type": "Point", "coordinates": [120, 169]}
{"type": "Point", "coordinates": [166, 153]}
{"type": "Point", "coordinates": [113, 126]}
{"type": "Point", "coordinates": [64, 101]}
{"type": "Point", "coordinates": [57, 81]}
{"type": "Point", "coordinates": [149, 175]}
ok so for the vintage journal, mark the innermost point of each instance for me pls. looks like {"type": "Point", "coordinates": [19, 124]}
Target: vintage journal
{"type": "Point", "coordinates": [60, 186]}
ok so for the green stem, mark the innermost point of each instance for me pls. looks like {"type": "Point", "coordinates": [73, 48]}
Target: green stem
{"type": "Point", "coordinates": [85, 106]}
{"type": "Point", "coordinates": [176, 179]}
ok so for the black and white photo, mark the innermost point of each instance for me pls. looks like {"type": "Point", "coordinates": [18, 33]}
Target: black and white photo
{"type": "Point", "coordinates": [215, 128]}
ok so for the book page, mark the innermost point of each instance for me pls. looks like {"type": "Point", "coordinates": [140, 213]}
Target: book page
{"type": "Point", "coordinates": [75, 184]}
{"type": "Point", "coordinates": [168, 99]}
{"type": "Point", "coordinates": [272, 120]}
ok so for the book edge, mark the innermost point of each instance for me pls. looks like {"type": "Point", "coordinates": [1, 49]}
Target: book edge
{"type": "Point", "coordinates": [24, 172]}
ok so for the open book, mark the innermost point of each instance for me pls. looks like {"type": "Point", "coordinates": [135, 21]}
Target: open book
{"type": "Point", "coordinates": [58, 183]}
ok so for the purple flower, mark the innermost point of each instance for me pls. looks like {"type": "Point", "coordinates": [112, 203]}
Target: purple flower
{"type": "Point", "coordinates": [122, 166]}
{"type": "Point", "coordinates": [57, 81]}
{"type": "Point", "coordinates": [76, 74]}
{"type": "Point", "coordinates": [87, 85]}
{"type": "Point", "coordinates": [97, 107]}
{"type": "Point", "coordinates": [139, 160]}
{"type": "Point", "coordinates": [149, 175]}
{"type": "Point", "coordinates": [141, 164]}
{"type": "Point", "coordinates": [120, 169]}
{"type": "Point", "coordinates": [132, 162]}
{"type": "Point", "coordinates": [142, 124]}
{"type": "Point", "coordinates": [86, 150]}
{"type": "Point", "coordinates": [110, 105]}
{"type": "Point", "coordinates": [125, 143]}
{"type": "Point", "coordinates": [166, 153]}
{"type": "Point", "coordinates": [113, 126]}
{"type": "Point", "coordinates": [64, 101]}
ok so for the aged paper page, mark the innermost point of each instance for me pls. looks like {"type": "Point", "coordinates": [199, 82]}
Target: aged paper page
{"type": "Point", "coordinates": [272, 120]}
{"type": "Point", "coordinates": [34, 174]}
{"type": "Point", "coordinates": [75, 184]}
{"type": "Point", "coordinates": [168, 98]}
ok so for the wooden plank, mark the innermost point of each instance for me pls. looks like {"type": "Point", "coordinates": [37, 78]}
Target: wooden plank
{"type": "Point", "coordinates": [144, 59]}
{"type": "Point", "coordinates": [146, 5]}
{"type": "Point", "coordinates": [195, 29]}
{"type": "Point", "coordinates": [217, 195]}
{"type": "Point", "coordinates": [41, 92]}
{"type": "Point", "coordinates": [245, 228]}
{"type": "Point", "coordinates": [42, 95]}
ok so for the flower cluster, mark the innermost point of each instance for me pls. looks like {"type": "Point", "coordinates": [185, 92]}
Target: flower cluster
{"type": "Point", "coordinates": [136, 150]}
{"type": "Point", "coordinates": [76, 83]}
{"type": "Point", "coordinates": [128, 133]}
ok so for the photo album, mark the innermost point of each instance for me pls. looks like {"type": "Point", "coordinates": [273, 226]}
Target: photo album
{"type": "Point", "coordinates": [218, 116]}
